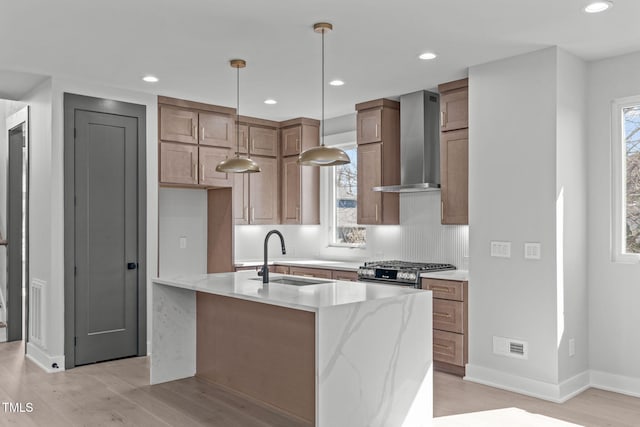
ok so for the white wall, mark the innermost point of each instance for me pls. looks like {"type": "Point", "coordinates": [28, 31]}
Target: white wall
{"type": "Point", "coordinates": [571, 232]}
{"type": "Point", "coordinates": [4, 144]}
{"type": "Point", "coordinates": [512, 135]}
{"type": "Point", "coordinates": [182, 214]}
{"type": "Point", "coordinates": [614, 288]}
{"type": "Point", "coordinates": [46, 241]}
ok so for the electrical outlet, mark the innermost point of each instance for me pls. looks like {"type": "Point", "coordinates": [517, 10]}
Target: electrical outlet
{"type": "Point", "coordinates": [183, 242]}
{"type": "Point", "coordinates": [572, 347]}
{"type": "Point", "coordinates": [501, 249]}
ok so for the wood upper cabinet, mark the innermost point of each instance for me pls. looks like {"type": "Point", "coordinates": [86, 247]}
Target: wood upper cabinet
{"type": "Point", "coordinates": [300, 192]}
{"type": "Point", "coordinates": [369, 126]}
{"type": "Point", "coordinates": [263, 141]}
{"type": "Point", "coordinates": [255, 196]}
{"type": "Point", "coordinates": [454, 105]}
{"type": "Point", "coordinates": [454, 172]}
{"type": "Point", "coordinates": [291, 140]}
{"type": "Point", "coordinates": [178, 125]}
{"type": "Point", "coordinates": [178, 163]}
{"type": "Point", "coordinates": [208, 159]}
{"type": "Point", "coordinates": [378, 162]}
{"type": "Point", "coordinates": [216, 129]}
{"type": "Point", "coordinates": [454, 152]}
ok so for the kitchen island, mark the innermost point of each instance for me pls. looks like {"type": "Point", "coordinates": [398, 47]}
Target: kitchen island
{"type": "Point", "coordinates": [334, 353]}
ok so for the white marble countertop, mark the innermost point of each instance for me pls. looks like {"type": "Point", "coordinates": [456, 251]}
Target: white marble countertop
{"type": "Point", "coordinates": [305, 262]}
{"type": "Point", "coordinates": [330, 293]}
{"type": "Point", "coordinates": [461, 275]}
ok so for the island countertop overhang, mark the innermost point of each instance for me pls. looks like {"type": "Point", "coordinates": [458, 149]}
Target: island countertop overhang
{"type": "Point", "coordinates": [330, 293]}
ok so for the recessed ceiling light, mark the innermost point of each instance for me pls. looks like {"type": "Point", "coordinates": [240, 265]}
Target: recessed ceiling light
{"type": "Point", "coordinates": [336, 82]}
{"type": "Point", "coordinates": [270, 101]}
{"type": "Point", "coordinates": [427, 55]}
{"type": "Point", "coordinates": [598, 6]}
{"type": "Point", "coordinates": [150, 79]}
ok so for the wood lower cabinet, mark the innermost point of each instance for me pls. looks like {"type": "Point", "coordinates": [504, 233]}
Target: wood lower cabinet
{"type": "Point", "coordinates": [378, 136]}
{"type": "Point", "coordinates": [310, 272]}
{"type": "Point", "coordinates": [350, 276]}
{"type": "Point", "coordinates": [255, 196]}
{"type": "Point", "coordinates": [454, 151]}
{"type": "Point", "coordinates": [454, 172]}
{"type": "Point", "coordinates": [450, 324]}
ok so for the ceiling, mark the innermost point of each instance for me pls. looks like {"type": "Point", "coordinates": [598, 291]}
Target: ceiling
{"type": "Point", "coordinates": [373, 48]}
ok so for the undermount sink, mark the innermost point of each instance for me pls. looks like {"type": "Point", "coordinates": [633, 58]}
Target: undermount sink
{"type": "Point", "coordinates": [295, 281]}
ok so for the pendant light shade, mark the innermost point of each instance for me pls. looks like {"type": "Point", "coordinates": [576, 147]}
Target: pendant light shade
{"type": "Point", "coordinates": [238, 164]}
{"type": "Point", "coordinates": [323, 155]}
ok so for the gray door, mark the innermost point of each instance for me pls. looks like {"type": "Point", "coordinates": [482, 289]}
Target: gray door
{"type": "Point", "coordinates": [106, 236]}
{"type": "Point", "coordinates": [15, 218]}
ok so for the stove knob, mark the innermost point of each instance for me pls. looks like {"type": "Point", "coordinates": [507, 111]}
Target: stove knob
{"type": "Point", "coordinates": [411, 276]}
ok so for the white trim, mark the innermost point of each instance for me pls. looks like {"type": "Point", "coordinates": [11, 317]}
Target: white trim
{"type": "Point", "coordinates": [17, 118]}
{"type": "Point", "coordinates": [618, 168]}
{"type": "Point", "coordinates": [557, 393]}
{"type": "Point", "coordinates": [615, 383]}
{"type": "Point", "coordinates": [43, 360]}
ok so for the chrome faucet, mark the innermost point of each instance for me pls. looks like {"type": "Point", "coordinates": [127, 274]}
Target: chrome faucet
{"type": "Point", "coordinates": [265, 267]}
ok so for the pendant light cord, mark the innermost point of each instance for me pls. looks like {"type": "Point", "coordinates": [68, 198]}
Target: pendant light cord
{"type": "Point", "coordinates": [238, 113]}
{"type": "Point", "coordinates": [322, 123]}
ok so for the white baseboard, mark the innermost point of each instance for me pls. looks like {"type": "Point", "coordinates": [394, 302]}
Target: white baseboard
{"type": "Point", "coordinates": [616, 383]}
{"type": "Point", "coordinates": [42, 359]}
{"type": "Point", "coordinates": [557, 393]}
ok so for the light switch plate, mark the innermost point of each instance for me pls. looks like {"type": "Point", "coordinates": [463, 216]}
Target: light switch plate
{"type": "Point", "coordinates": [532, 251]}
{"type": "Point", "coordinates": [501, 249]}
{"type": "Point", "coordinates": [183, 242]}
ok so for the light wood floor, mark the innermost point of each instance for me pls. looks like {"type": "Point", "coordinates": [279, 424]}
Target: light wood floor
{"type": "Point", "coordinates": [117, 393]}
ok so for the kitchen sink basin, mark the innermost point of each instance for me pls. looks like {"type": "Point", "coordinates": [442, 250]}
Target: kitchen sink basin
{"type": "Point", "coordinates": [296, 281]}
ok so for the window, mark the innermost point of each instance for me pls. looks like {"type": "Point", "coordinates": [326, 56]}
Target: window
{"type": "Point", "coordinates": [626, 179]}
{"type": "Point", "coordinates": [344, 184]}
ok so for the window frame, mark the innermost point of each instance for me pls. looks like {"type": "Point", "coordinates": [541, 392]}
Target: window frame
{"type": "Point", "coordinates": [618, 182]}
{"type": "Point", "coordinates": [332, 211]}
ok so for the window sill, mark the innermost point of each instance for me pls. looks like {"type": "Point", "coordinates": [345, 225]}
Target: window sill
{"type": "Point", "coordinates": [336, 245]}
{"type": "Point", "coordinates": [626, 258]}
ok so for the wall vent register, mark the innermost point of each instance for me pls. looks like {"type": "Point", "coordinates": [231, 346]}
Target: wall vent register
{"type": "Point", "coordinates": [398, 272]}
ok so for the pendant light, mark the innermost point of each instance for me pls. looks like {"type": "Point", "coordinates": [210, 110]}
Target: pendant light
{"type": "Point", "coordinates": [323, 155]}
{"type": "Point", "coordinates": [238, 164]}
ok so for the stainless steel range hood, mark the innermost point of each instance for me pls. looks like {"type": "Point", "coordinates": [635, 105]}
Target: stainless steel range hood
{"type": "Point", "coordinates": [419, 144]}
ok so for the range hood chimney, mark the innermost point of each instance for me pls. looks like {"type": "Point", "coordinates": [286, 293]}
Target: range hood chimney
{"type": "Point", "coordinates": [419, 144]}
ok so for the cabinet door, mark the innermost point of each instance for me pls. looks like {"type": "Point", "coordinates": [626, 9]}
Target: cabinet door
{"type": "Point", "coordinates": [263, 192]}
{"type": "Point", "coordinates": [178, 163]}
{"type": "Point", "coordinates": [369, 126]}
{"type": "Point", "coordinates": [240, 198]}
{"type": "Point", "coordinates": [209, 157]}
{"type": "Point", "coordinates": [454, 171]}
{"type": "Point", "coordinates": [244, 140]}
{"type": "Point", "coordinates": [454, 109]}
{"type": "Point", "coordinates": [178, 125]}
{"type": "Point", "coordinates": [369, 175]}
{"type": "Point", "coordinates": [291, 138]}
{"type": "Point", "coordinates": [290, 190]}
{"type": "Point", "coordinates": [310, 272]}
{"type": "Point", "coordinates": [264, 141]}
{"type": "Point", "coordinates": [217, 130]}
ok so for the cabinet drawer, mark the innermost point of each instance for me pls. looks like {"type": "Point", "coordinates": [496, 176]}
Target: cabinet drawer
{"type": "Point", "coordinates": [449, 315]}
{"type": "Point", "coordinates": [446, 289]}
{"type": "Point", "coordinates": [448, 347]}
{"type": "Point", "coordinates": [351, 276]}
{"type": "Point", "coordinates": [282, 269]}
{"type": "Point", "coordinates": [310, 272]}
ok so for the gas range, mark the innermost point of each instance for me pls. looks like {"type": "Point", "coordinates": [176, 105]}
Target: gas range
{"type": "Point", "coordinates": [398, 272]}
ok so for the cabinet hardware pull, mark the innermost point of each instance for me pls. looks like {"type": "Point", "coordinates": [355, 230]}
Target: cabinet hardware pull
{"type": "Point", "coordinates": [376, 212]}
{"type": "Point", "coordinates": [441, 289]}
{"type": "Point", "coordinates": [441, 118]}
{"type": "Point", "coordinates": [436, 314]}
{"type": "Point", "coordinates": [202, 134]}
{"type": "Point", "coordinates": [444, 347]}
{"type": "Point", "coordinates": [202, 171]}
{"type": "Point", "coordinates": [253, 214]}
{"type": "Point", "coordinates": [376, 130]}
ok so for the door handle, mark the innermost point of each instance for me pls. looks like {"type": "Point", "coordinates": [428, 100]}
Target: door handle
{"type": "Point", "coordinates": [132, 265]}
